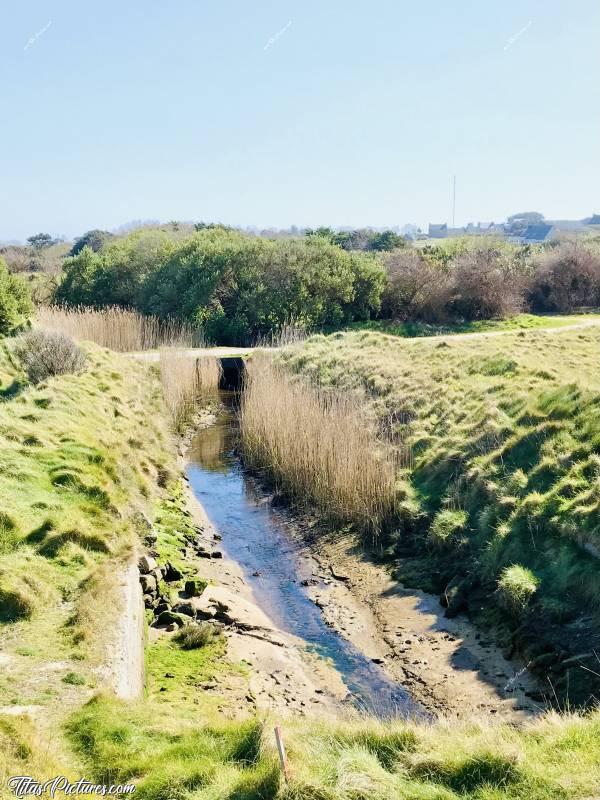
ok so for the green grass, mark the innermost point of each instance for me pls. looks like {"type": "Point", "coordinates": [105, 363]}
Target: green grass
{"type": "Point", "coordinates": [174, 755]}
{"type": "Point", "coordinates": [501, 442]}
{"type": "Point", "coordinates": [411, 330]}
{"type": "Point", "coordinates": [72, 479]}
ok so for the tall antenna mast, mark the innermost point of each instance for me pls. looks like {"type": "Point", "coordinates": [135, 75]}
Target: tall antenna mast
{"type": "Point", "coordinates": [454, 202]}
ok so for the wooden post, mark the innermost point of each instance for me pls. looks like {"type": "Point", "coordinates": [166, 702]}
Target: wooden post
{"type": "Point", "coordinates": [281, 751]}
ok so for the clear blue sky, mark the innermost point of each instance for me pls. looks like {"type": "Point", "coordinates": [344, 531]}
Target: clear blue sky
{"type": "Point", "coordinates": [354, 114]}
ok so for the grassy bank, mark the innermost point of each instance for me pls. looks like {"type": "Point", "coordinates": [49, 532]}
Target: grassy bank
{"type": "Point", "coordinates": [497, 505]}
{"type": "Point", "coordinates": [82, 459]}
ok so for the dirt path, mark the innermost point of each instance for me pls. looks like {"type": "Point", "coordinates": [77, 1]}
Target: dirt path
{"type": "Point", "coordinates": [198, 352]}
{"type": "Point", "coordinates": [232, 352]}
{"type": "Point", "coordinates": [446, 664]}
{"type": "Point", "coordinates": [487, 334]}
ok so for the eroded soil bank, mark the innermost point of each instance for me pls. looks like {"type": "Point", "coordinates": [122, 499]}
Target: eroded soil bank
{"type": "Point", "coordinates": [396, 637]}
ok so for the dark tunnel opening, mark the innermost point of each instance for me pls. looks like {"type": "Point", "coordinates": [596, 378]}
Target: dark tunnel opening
{"type": "Point", "coordinates": [232, 374]}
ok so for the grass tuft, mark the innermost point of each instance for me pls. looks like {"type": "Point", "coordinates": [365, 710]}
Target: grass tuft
{"type": "Point", "coordinates": [192, 637]}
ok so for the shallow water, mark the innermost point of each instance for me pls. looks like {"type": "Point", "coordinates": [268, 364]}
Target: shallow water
{"type": "Point", "coordinates": [256, 536]}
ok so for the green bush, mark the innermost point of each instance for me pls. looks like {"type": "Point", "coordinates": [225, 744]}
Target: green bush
{"type": "Point", "coordinates": [516, 586]}
{"type": "Point", "coordinates": [15, 301]}
{"type": "Point", "coordinates": [44, 354]}
{"type": "Point", "coordinates": [74, 679]}
{"type": "Point", "coordinates": [236, 286]}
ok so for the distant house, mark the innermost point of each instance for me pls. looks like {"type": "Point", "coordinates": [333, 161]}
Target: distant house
{"type": "Point", "coordinates": [471, 229]}
{"type": "Point", "coordinates": [438, 231]}
{"type": "Point", "coordinates": [536, 234]}
{"type": "Point", "coordinates": [567, 225]}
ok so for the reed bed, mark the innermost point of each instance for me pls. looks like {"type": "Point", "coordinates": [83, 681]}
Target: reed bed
{"type": "Point", "coordinates": [187, 382]}
{"type": "Point", "coordinates": [318, 446]}
{"type": "Point", "coordinates": [118, 328]}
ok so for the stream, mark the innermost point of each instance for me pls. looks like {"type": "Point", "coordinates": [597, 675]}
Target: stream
{"type": "Point", "coordinates": [257, 537]}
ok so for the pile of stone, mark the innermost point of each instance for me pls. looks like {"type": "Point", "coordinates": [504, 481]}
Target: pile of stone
{"type": "Point", "coordinates": [167, 614]}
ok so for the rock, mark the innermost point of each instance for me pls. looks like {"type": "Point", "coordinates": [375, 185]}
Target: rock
{"type": "Point", "coordinates": [454, 597]}
{"type": "Point", "coordinates": [217, 537]}
{"type": "Point", "coordinates": [169, 674]}
{"type": "Point", "coordinates": [216, 554]}
{"type": "Point", "coordinates": [142, 522]}
{"type": "Point", "coordinates": [195, 587]}
{"type": "Point", "coordinates": [150, 538]}
{"type": "Point", "coordinates": [162, 607]}
{"type": "Point", "coordinates": [170, 618]}
{"type": "Point", "coordinates": [157, 574]}
{"type": "Point", "coordinates": [171, 573]}
{"type": "Point", "coordinates": [339, 576]}
{"type": "Point", "coordinates": [205, 614]}
{"type": "Point", "coordinates": [146, 564]}
{"type": "Point", "coordinates": [184, 608]}
{"type": "Point", "coordinates": [148, 583]}
{"type": "Point", "coordinates": [148, 601]}
{"type": "Point", "coordinates": [172, 627]}
{"type": "Point", "coordinates": [377, 660]}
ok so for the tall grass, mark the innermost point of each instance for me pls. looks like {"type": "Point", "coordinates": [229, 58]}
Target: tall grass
{"type": "Point", "coordinates": [118, 328]}
{"type": "Point", "coordinates": [318, 446]}
{"type": "Point", "coordinates": [186, 381]}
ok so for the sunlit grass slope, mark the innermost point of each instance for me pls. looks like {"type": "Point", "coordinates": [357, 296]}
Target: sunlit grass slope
{"type": "Point", "coordinates": [169, 753]}
{"type": "Point", "coordinates": [501, 438]}
{"type": "Point", "coordinates": [80, 458]}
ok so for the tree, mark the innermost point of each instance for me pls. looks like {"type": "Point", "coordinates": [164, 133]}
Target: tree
{"type": "Point", "coordinates": [95, 240]}
{"type": "Point", "coordinates": [530, 217]}
{"type": "Point", "coordinates": [519, 222]}
{"type": "Point", "coordinates": [39, 241]}
{"type": "Point", "coordinates": [486, 283]}
{"type": "Point", "coordinates": [386, 240]}
{"type": "Point", "coordinates": [237, 287]}
{"type": "Point", "coordinates": [323, 233]}
{"type": "Point", "coordinates": [565, 278]}
{"type": "Point", "coordinates": [15, 301]}
{"type": "Point", "coordinates": [416, 288]}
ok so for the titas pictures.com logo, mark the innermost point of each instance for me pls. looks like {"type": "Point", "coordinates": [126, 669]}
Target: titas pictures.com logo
{"type": "Point", "coordinates": [26, 786]}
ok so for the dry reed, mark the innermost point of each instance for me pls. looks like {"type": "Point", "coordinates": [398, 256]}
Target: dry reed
{"type": "Point", "coordinates": [118, 328]}
{"type": "Point", "coordinates": [186, 382]}
{"type": "Point", "coordinates": [318, 446]}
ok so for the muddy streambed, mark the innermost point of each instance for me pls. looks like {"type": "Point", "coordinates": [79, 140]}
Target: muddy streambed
{"type": "Point", "coordinates": [255, 536]}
